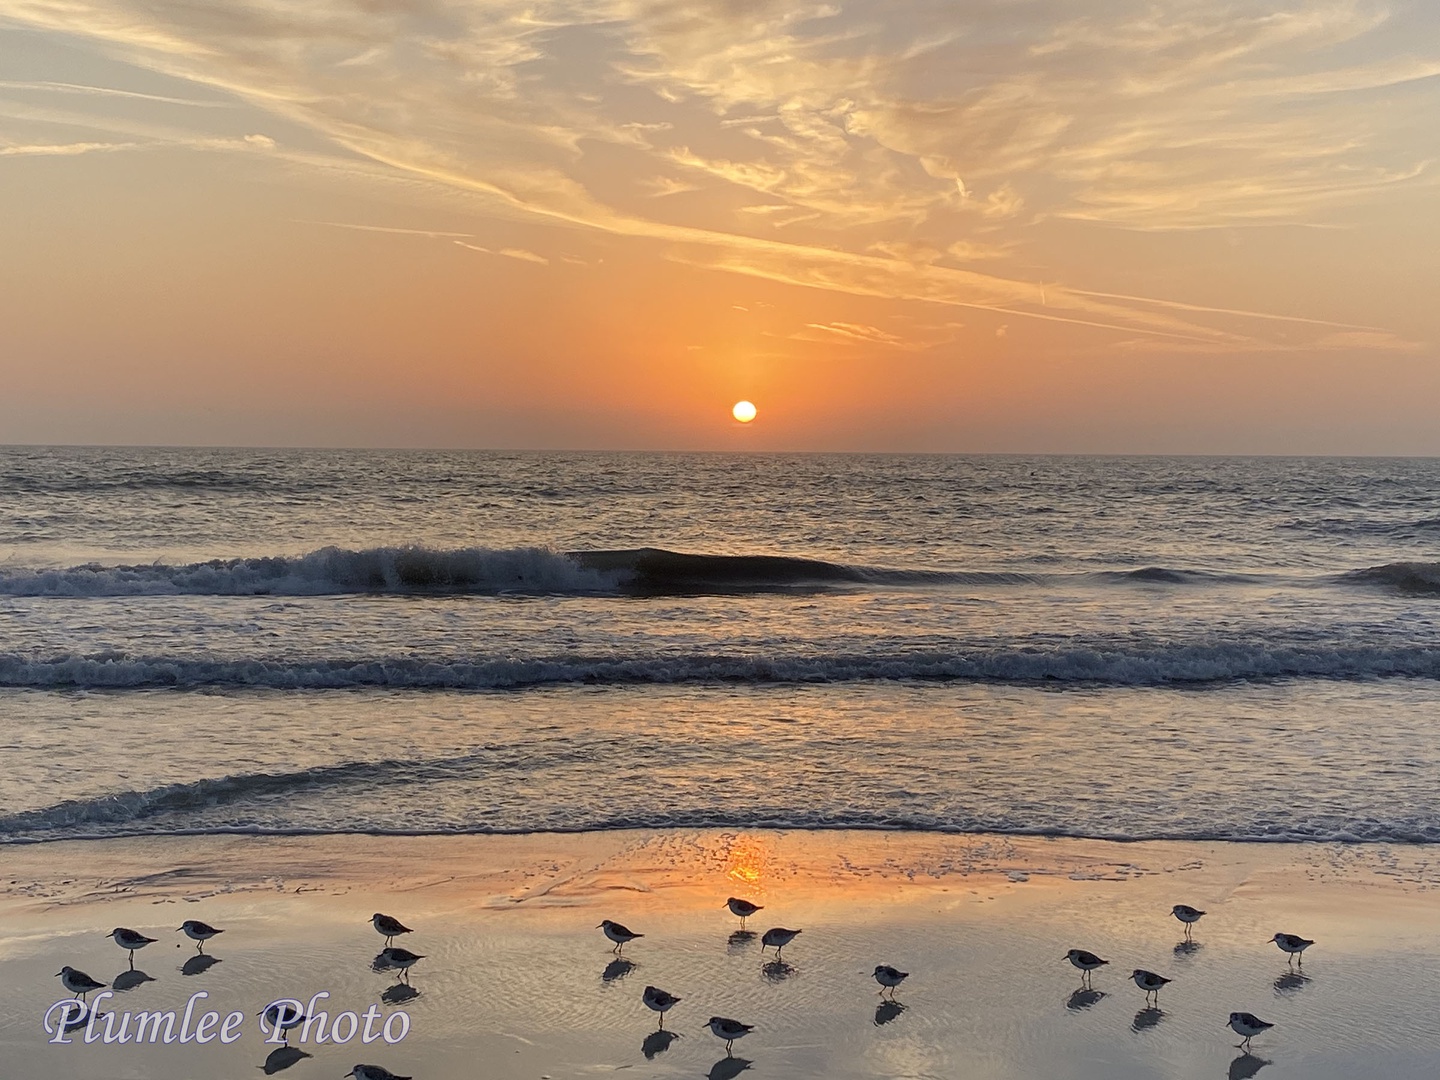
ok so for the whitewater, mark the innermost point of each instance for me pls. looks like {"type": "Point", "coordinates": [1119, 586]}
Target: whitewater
{"type": "Point", "coordinates": [404, 642]}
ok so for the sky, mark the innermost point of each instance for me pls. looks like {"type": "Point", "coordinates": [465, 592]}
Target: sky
{"type": "Point", "coordinates": [1034, 226]}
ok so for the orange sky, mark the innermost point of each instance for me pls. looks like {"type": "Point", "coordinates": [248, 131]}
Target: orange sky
{"type": "Point", "coordinates": [892, 224]}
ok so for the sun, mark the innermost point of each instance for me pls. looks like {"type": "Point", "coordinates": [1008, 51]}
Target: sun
{"type": "Point", "coordinates": [743, 411]}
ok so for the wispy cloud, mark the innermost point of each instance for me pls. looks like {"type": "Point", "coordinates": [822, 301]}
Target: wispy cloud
{"type": "Point", "coordinates": [854, 149]}
{"type": "Point", "coordinates": [110, 91]}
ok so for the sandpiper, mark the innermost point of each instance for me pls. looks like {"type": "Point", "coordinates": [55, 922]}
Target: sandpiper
{"type": "Point", "coordinates": [1247, 1026]}
{"type": "Point", "coordinates": [620, 935]}
{"type": "Point", "coordinates": [777, 938]}
{"type": "Point", "coordinates": [889, 978]}
{"type": "Point", "coordinates": [388, 927]}
{"type": "Point", "coordinates": [278, 1014]}
{"type": "Point", "coordinates": [375, 1072]}
{"type": "Point", "coordinates": [77, 982]}
{"type": "Point", "coordinates": [1085, 961]}
{"type": "Point", "coordinates": [743, 908]}
{"type": "Point", "coordinates": [1187, 915]}
{"type": "Point", "coordinates": [1293, 944]}
{"type": "Point", "coordinates": [396, 957]}
{"type": "Point", "coordinates": [1149, 982]}
{"type": "Point", "coordinates": [659, 1001]}
{"type": "Point", "coordinates": [130, 940]}
{"type": "Point", "coordinates": [198, 932]}
{"type": "Point", "coordinates": [729, 1030]}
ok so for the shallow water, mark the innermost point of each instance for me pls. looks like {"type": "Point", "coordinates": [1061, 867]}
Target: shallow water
{"type": "Point", "coordinates": [398, 642]}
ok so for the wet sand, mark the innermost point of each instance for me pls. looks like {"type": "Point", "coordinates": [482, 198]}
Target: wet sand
{"type": "Point", "coordinates": [517, 982]}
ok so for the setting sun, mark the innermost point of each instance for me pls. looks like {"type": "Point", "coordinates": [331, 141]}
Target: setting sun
{"type": "Point", "coordinates": [743, 411]}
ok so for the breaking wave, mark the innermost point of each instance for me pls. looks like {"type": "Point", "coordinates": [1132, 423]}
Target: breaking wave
{"type": "Point", "coordinates": [1102, 664]}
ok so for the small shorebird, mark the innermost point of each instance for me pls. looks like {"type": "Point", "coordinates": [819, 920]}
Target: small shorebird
{"type": "Point", "coordinates": [270, 1017]}
{"type": "Point", "coordinates": [1293, 944]}
{"type": "Point", "coordinates": [729, 1030]}
{"type": "Point", "coordinates": [620, 935]}
{"type": "Point", "coordinates": [77, 982]}
{"type": "Point", "coordinates": [1149, 982]}
{"type": "Point", "coordinates": [396, 957]}
{"type": "Point", "coordinates": [743, 908]}
{"type": "Point", "coordinates": [659, 1001]}
{"type": "Point", "coordinates": [389, 927]}
{"type": "Point", "coordinates": [1247, 1026]}
{"type": "Point", "coordinates": [889, 978]}
{"type": "Point", "coordinates": [129, 940]}
{"type": "Point", "coordinates": [1085, 961]}
{"type": "Point", "coordinates": [374, 1072]}
{"type": "Point", "coordinates": [777, 938]}
{"type": "Point", "coordinates": [1187, 915]}
{"type": "Point", "coordinates": [198, 932]}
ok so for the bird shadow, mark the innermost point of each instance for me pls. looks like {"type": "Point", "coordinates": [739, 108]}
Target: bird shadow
{"type": "Point", "coordinates": [83, 1018]}
{"type": "Point", "coordinates": [657, 1042]}
{"type": "Point", "coordinates": [887, 1011]}
{"type": "Point", "coordinates": [129, 980]}
{"type": "Point", "coordinates": [199, 964]}
{"type": "Point", "coordinates": [740, 939]}
{"type": "Point", "coordinates": [1291, 981]}
{"type": "Point", "coordinates": [1246, 1066]}
{"type": "Point", "coordinates": [398, 994]}
{"type": "Point", "coordinates": [281, 1058]}
{"type": "Point", "coordinates": [1188, 947]}
{"type": "Point", "coordinates": [1147, 1018]}
{"type": "Point", "coordinates": [617, 969]}
{"type": "Point", "coordinates": [1083, 998]}
{"type": "Point", "coordinates": [777, 970]}
{"type": "Point", "coordinates": [727, 1068]}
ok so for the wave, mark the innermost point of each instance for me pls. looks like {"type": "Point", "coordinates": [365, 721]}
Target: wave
{"type": "Point", "coordinates": [1421, 578]}
{"type": "Point", "coordinates": [1101, 664]}
{"type": "Point", "coordinates": [474, 570]}
{"type": "Point", "coordinates": [179, 810]}
{"type": "Point", "coordinates": [646, 571]}
{"type": "Point", "coordinates": [328, 571]}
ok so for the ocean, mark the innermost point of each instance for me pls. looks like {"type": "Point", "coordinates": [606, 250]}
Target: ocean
{"type": "Point", "coordinates": [277, 641]}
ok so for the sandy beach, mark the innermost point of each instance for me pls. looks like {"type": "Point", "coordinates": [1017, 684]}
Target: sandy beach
{"type": "Point", "coordinates": [517, 982]}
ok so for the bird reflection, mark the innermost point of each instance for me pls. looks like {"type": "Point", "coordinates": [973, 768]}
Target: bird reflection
{"type": "Point", "coordinates": [1290, 981]}
{"type": "Point", "coordinates": [84, 1016]}
{"type": "Point", "coordinates": [740, 938]}
{"type": "Point", "coordinates": [398, 994]}
{"type": "Point", "coordinates": [1246, 1066]}
{"type": "Point", "coordinates": [657, 1042]}
{"type": "Point", "coordinates": [1147, 1018]}
{"type": "Point", "coordinates": [887, 1011]}
{"type": "Point", "coordinates": [1188, 947]}
{"type": "Point", "coordinates": [282, 1057]}
{"type": "Point", "coordinates": [129, 980]}
{"type": "Point", "coordinates": [1083, 998]}
{"type": "Point", "coordinates": [617, 969]}
{"type": "Point", "coordinates": [727, 1068]}
{"type": "Point", "coordinates": [777, 970]}
{"type": "Point", "coordinates": [199, 964]}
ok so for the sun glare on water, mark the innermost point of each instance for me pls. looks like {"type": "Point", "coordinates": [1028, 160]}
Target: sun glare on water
{"type": "Point", "coordinates": [743, 411]}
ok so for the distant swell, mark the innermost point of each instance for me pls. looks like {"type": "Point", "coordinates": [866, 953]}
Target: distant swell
{"type": "Point", "coordinates": [1409, 577]}
{"type": "Point", "coordinates": [1101, 665]}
